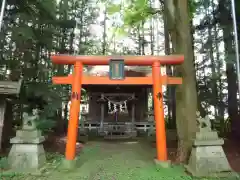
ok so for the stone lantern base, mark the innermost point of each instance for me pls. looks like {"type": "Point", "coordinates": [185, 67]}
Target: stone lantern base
{"type": "Point", "coordinates": [27, 153]}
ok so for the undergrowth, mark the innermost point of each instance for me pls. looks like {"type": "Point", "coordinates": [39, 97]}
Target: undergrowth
{"type": "Point", "coordinates": [53, 160]}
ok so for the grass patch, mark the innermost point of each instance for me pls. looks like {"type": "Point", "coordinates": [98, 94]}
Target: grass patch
{"type": "Point", "coordinates": [53, 160]}
{"type": "Point", "coordinates": [110, 161]}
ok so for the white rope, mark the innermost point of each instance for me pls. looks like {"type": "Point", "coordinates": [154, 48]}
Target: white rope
{"type": "Point", "coordinates": [121, 107]}
{"type": "Point", "coordinates": [113, 106]}
{"type": "Point", "coordinates": [109, 105]}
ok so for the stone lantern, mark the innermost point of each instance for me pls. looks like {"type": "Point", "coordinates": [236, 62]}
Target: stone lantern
{"type": "Point", "coordinates": [27, 153]}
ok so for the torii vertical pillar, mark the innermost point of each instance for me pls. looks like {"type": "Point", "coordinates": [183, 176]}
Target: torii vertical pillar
{"type": "Point", "coordinates": [74, 113]}
{"type": "Point", "coordinates": [159, 116]}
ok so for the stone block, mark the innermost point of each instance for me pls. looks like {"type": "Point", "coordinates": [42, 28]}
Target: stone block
{"type": "Point", "coordinates": [207, 157]}
{"type": "Point", "coordinates": [208, 135]}
{"type": "Point", "coordinates": [28, 134]}
{"type": "Point", "coordinates": [68, 164]}
{"type": "Point", "coordinates": [26, 158]}
{"type": "Point", "coordinates": [18, 140]}
{"type": "Point", "coordinates": [207, 160]}
{"type": "Point", "coordinates": [134, 133]}
{"type": "Point", "coordinates": [218, 142]}
{"type": "Point", "coordinates": [162, 164]}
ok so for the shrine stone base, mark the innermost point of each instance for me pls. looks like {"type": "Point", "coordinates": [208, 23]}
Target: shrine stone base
{"type": "Point", "coordinates": [27, 154]}
{"type": "Point", "coordinates": [68, 164]}
{"type": "Point", "coordinates": [207, 156]}
{"type": "Point", "coordinates": [163, 164]}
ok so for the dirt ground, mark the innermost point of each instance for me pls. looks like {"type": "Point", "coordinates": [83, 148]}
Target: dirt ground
{"type": "Point", "coordinates": [232, 150]}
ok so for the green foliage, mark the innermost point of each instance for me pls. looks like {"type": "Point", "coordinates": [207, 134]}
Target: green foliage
{"type": "Point", "coordinates": [113, 8]}
{"type": "Point", "coordinates": [12, 176]}
{"type": "Point", "coordinates": [133, 13]}
{"type": "Point", "coordinates": [45, 98]}
{"type": "Point", "coordinates": [120, 31]}
{"type": "Point", "coordinates": [193, 5]}
{"type": "Point", "coordinates": [23, 33]}
{"type": "Point", "coordinates": [46, 125]}
{"type": "Point", "coordinates": [66, 23]}
{"type": "Point", "coordinates": [139, 11]}
{"type": "Point", "coordinates": [47, 8]}
{"type": "Point", "coordinates": [32, 30]}
{"type": "Point", "coordinates": [223, 126]}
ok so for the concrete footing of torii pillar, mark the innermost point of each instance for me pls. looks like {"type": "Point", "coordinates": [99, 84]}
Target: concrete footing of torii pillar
{"type": "Point", "coordinates": [163, 164]}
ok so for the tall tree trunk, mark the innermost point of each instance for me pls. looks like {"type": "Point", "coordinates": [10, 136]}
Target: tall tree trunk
{"type": "Point", "coordinates": [220, 103]}
{"type": "Point", "coordinates": [59, 128]}
{"type": "Point", "coordinates": [225, 15]}
{"type": "Point", "coordinates": [143, 38]}
{"type": "Point", "coordinates": [104, 44]}
{"type": "Point", "coordinates": [210, 46]}
{"type": "Point", "coordinates": [139, 40]}
{"type": "Point", "coordinates": [171, 103]}
{"type": "Point", "coordinates": [186, 96]}
{"type": "Point", "coordinates": [152, 40]}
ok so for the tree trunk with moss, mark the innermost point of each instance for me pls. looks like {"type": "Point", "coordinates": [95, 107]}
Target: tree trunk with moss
{"type": "Point", "coordinates": [186, 97]}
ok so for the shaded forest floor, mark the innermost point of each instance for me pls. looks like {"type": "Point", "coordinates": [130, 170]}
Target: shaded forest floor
{"type": "Point", "coordinates": [116, 161]}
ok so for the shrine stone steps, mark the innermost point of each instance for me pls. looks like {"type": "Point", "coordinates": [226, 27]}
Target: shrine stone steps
{"type": "Point", "coordinates": [117, 137]}
{"type": "Point", "coordinates": [118, 134]}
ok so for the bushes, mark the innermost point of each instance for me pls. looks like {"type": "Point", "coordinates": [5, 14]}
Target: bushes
{"type": "Point", "coordinates": [222, 126]}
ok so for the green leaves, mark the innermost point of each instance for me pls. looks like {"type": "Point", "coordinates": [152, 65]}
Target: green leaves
{"type": "Point", "coordinates": [133, 13]}
{"type": "Point", "coordinates": [120, 31]}
{"type": "Point", "coordinates": [49, 7]}
{"type": "Point", "coordinates": [45, 124]}
{"type": "Point", "coordinates": [140, 10]}
{"type": "Point", "coordinates": [136, 16]}
{"type": "Point", "coordinates": [22, 33]}
{"type": "Point", "coordinates": [32, 30]}
{"type": "Point", "coordinates": [66, 23]}
{"type": "Point", "coordinates": [113, 8]}
{"type": "Point", "coordinates": [193, 5]}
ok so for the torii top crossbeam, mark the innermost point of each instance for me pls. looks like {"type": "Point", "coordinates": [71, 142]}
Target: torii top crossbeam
{"type": "Point", "coordinates": [128, 60]}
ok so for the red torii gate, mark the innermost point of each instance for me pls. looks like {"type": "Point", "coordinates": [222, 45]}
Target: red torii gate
{"type": "Point", "coordinates": [156, 80]}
